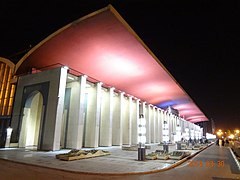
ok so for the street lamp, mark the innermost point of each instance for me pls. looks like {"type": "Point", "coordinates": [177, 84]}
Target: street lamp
{"type": "Point", "coordinates": [141, 137]}
{"type": "Point", "coordinates": [231, 136]}
{"type": "Point", "coordinates": [237, 134]}
{"type": "Point", "coordinates": [219, 133]}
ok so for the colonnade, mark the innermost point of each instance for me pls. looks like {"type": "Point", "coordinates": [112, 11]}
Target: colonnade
{"type": "Point", "coordinates": [74, 113]}
{"type": "Point", "coordinates": [100, 116]}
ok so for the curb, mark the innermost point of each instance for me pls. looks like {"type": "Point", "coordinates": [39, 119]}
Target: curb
{"type": "Point", "coordinates": [235, 158]}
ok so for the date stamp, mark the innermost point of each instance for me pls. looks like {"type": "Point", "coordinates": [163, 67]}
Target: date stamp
{"type": "Point", "coordinates": [209, 164]}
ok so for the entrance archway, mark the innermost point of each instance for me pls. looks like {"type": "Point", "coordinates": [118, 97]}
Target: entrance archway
{"type": "Point", "coordinates": [31, 122]}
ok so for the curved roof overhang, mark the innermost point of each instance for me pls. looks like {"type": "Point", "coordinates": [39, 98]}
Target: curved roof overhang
{"type": "Point", "coordinates": [104, 47]}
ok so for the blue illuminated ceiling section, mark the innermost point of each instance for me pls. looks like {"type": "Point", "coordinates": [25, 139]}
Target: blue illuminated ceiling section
{"type": "Point", "coordinates": [172, 103]}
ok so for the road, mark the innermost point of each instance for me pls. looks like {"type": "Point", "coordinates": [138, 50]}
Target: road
{"type": "Point", "coordinates": [214, 163]}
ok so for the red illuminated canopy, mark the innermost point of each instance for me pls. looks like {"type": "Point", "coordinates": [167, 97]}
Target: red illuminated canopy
{"type": "Point", "coordinates": [104, 47]}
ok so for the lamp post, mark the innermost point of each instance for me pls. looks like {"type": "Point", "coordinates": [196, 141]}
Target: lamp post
{"type": "Point", "coordinates": [237, 134]}
{"type": "Point", "coordinates": [219, 133]}
{"type": "Point", "coordinates": [141, 137]}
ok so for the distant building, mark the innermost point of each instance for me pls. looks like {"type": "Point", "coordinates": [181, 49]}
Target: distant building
{"type": "Point", "coordinates": [208, 127]}
{"type": "Point", "coordinates": [7, 92]}
{"type": "Point", "coordinates": [86, 85]}
{"type": "Point", "coordinates": [173, 111]}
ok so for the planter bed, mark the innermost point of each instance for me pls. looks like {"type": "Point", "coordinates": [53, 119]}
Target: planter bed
{"type": "Point", "coordinates": [158, 154]}
{"type": "Point", "coordinates": [178, 155]}
{"type": "Point", "coordinates": [81, 154]}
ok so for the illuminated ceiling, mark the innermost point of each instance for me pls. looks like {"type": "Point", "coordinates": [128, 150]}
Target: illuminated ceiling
{"type": "Point", "coordinates": [104, 47]}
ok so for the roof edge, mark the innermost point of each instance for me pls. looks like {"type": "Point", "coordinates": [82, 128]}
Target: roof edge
{"type": "Point", "coordinates": [120, 18]}
{"type": "Point", "coordinates": [56, 33]}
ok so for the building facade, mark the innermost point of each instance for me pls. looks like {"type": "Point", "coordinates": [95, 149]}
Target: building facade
{"type": "Point", "coordinates": [55, 110]}
{"type": "Point", "coordinates": [7, 92]}
{"type": "Point", "coordinates": [88, 84]}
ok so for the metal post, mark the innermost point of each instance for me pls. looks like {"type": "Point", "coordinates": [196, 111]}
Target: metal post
{"type": "Point", "coordinates": [141, 153]}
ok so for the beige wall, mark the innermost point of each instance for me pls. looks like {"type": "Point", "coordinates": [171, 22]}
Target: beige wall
{"type": "Point", "coordinates": [50, 127]}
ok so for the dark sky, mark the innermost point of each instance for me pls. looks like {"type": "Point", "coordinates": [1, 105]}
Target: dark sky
{"type": "Point", "coordinates": [197, 41]}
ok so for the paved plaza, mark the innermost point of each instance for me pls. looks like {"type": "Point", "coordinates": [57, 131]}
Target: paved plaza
{"type": "Point", "coordinates": [119, 161]}
{"type": "Point", "coordinates": [27, 164]}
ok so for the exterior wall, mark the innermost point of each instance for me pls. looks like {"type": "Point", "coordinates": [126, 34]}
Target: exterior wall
{"type": "Point", "coordinates": [53, 107]}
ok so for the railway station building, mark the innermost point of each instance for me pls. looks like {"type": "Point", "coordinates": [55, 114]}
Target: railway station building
{"type": "Point", "coordinates": [88, 84]}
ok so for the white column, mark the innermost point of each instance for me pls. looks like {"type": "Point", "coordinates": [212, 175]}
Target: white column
{"type": "Point", "coordinates": [93, 116]}
{"type": "Point", "coordinates": [179, 123]}
{"type": "Point", "coordinates": [135, 116]}
{"type": "Point", "coordinates": [127, 121]}
{"type": "Point", "coordinates": [166, 127]}
{"type": "Point", "coordinates": [174, 127]}
{"type": "Point", "coordinates": [59, 109]}
{"type": "Point", "coordinates": [169, 126]}
{"type": "Point", "coordinates": [142, 109]}
{"type": "Point", "coordinates": [76, 114]}
{"type": "Point", "coordinates": [153, 125]}
{"type": "Point", "coordinates": [187, 130]}
{"type": "Point", "coordinates": [182, 126]}
{"type": "Point", "coordinates": [157, 126]}
{"type": "Point", "coordinates": [175, 123]}
{"type": "Point", "coordinates": [148, 124]}
{"type": "Point", "coordinates": [106, 118]}
{"type": "Point", "coordinates": [130, 112]}
{"type": "Point", "coordinates": [118, 119]}
{"type": "Point", "coordinates": [161, 118]}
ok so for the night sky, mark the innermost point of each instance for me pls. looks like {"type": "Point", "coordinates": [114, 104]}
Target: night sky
{"type": "Point", "coordinates": [197, 41]}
